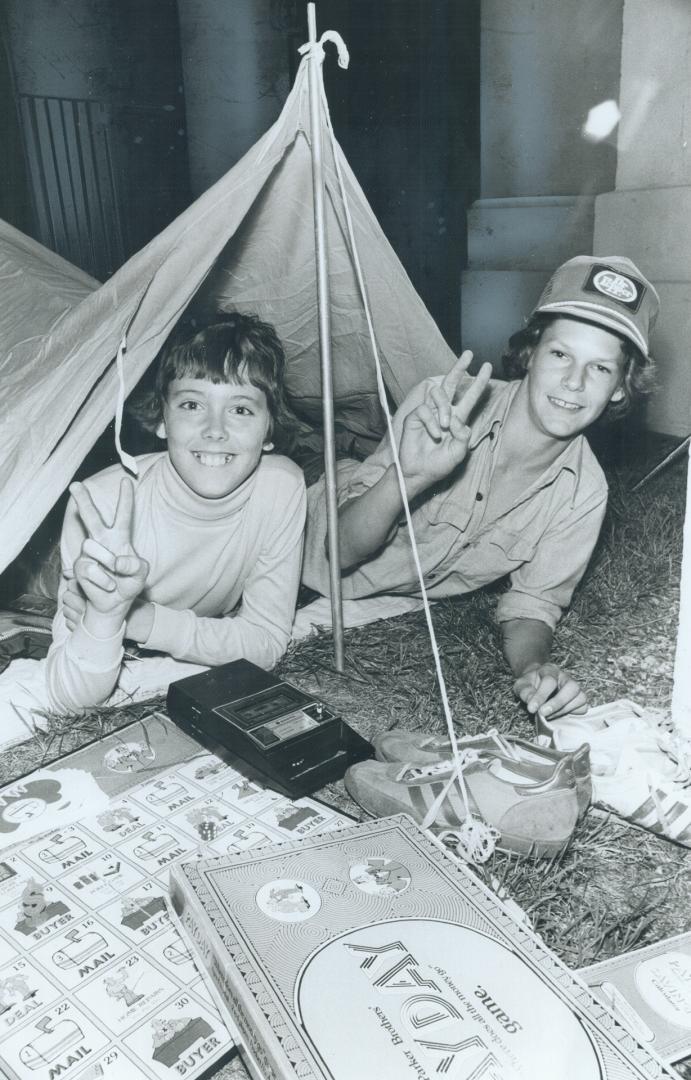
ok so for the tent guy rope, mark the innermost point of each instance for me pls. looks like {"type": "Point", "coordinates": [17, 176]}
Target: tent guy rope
{"type": "Point", "coordinates": [474, 839]}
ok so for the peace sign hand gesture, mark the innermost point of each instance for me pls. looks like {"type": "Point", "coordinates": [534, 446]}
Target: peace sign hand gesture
{"type": "Point", "coordinates": [109, 571]}
{"type": "Point", "coordinates": [435, 435]}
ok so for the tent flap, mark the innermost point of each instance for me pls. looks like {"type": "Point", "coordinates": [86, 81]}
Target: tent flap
{"type": "Point", "coordinates": [246, 244]}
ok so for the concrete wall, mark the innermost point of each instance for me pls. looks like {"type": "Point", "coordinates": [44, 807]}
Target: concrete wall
{"type": "Point", "coordinates": [235, 62]}
{"type": "Point", "coordinates": [548, 193]}
{"type": "Point", "coordinates": [544, 65]}
{"type": "Point", "coordinates": [648, 214]}
{"type": "Point", "coordinates": [92, 49]}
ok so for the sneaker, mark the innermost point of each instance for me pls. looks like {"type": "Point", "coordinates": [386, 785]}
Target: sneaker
{"type": "Point", "coordinates": [622, 737]}
{"type": "Point", "coordinates": [576, 727]}
{"type": "Point", "coordinates": [531, 818]}
{"type": "Point", "coordinates": [660, 806]}
{"type": "Point", "coordinates": [518, 756]}
{"type": "Point", "coordinates": [640, 770]}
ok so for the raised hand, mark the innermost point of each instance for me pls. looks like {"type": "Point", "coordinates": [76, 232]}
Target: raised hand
{"type": "Point", "coordinates": [109, 572]}
{"type": "Point", "coordinates": [435, 435]}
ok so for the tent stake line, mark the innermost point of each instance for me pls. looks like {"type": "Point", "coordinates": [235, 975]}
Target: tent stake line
{"type": "Point", "coordinates": [314, 81]}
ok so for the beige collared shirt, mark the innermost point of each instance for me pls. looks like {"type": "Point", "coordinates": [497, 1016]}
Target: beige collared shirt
{"type": "Point", "coordinates": [543, 541]}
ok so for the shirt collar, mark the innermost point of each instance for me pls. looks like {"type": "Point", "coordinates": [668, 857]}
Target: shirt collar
{"type": "Point", "coordinates": [492, 420]}
{"type": "Point", "coordinates": [492, 417]}
{"type": "Point", "coordinates": [570, 460]}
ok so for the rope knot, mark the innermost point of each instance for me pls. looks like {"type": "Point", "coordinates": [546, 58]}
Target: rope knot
{"type": "Point", "coordinates": [474, 840]}
{"type": "Point", "coordinates": [316, 48]}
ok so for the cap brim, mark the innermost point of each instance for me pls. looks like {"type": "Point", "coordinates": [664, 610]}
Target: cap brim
{"type": "Point", "coordinates": [612, 320]}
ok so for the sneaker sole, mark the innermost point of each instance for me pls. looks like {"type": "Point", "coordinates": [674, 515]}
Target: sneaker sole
{"type": "Point", "coordinates": [510, 843]}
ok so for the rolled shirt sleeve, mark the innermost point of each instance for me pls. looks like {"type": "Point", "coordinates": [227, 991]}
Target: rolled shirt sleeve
{"type": "Point", "coordinates": [542, 587]}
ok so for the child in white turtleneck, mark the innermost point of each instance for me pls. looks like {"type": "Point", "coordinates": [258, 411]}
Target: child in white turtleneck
{"type": "Point", "coordinates": [199, 556]}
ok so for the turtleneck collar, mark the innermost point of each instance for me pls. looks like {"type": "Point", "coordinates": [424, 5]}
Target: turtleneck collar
{"type": "Point", "coordinates": [181, 500]}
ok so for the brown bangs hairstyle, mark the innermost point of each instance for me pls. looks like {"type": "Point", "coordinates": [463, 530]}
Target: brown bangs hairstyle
{"type": "Point", "coordinates": [231, 349]}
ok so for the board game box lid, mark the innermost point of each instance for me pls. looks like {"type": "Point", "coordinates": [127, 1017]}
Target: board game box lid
{"type": "Point", "coordinates": [371, 953]}
{"type": "Point", "coordinates": [651, 988]}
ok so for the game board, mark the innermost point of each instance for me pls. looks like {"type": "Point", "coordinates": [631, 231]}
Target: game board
{"type": "Point", "coordinates": [374, 953]}
{"type": "Point", "coordinates": [94, 979]}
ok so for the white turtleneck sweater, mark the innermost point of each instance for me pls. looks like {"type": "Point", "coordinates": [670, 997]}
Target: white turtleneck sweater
{"type": "Point", "coordinates": [223, 574]}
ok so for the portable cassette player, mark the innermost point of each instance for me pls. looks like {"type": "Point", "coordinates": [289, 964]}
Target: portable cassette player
{"type": "Point", "coordinates": [294, 742]}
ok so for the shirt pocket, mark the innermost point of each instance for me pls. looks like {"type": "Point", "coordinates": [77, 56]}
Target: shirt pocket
{"type": "Point", "coordinates": [516, 547]}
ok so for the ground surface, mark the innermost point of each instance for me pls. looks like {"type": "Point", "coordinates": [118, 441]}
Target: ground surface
{"type": "Point", "coordinates": [615, 887]}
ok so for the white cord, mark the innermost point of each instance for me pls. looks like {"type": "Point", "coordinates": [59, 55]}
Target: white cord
{"type": "Point", "coordinates": [488, 835]}
{"type": "Point", "coordinates": [127, 460]}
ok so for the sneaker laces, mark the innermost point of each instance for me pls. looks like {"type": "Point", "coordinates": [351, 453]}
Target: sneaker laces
{"type": "Point", "coordinates": [676, 748]}
{"type": "Point", "coordinates": [502, 744]}
{"type": "Point", "coordinates": [474, 839]}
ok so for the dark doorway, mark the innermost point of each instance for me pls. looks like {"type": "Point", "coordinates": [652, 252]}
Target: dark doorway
{"type": "Point", "coordinates": [407, 115]}
{"type": "Point", "coordinates": [100, 111]}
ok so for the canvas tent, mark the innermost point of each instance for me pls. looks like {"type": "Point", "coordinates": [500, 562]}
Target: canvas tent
{"type": "Point", "coordinates": [248, 244]}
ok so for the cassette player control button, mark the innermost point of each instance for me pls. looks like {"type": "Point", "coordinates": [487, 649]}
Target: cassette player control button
{"type": "Point", "coordinates": [319, 712]}
{"type": "Point", "coordinates": [265, 737]}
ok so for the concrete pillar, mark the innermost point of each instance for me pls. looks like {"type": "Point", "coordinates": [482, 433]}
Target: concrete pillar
{"type": "Point", "coordinates": [648, 214]}
{"type": "Point", "coordinates": [543, 66]}
{"type": "Point", "coordinates": [235, 62]}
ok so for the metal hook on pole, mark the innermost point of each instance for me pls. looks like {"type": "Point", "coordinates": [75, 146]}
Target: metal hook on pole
{"type": "Point", "coordinates": [323, 304]}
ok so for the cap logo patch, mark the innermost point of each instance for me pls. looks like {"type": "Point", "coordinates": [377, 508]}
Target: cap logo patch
{"type": "Point", "coordinates": [615, 285]}
{"type": "Point", "coordinates": [624, 290]}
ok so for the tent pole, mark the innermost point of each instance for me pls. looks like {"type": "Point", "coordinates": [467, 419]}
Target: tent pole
{"type": "Point", "coordinates": [325, 345]}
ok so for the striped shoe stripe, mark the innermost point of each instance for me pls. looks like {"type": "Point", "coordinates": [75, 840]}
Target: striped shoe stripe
{"type": "Point", "coordinates": [673, 809]}
{"type": "Point", "coordinates": [646, 808]}
{"type": "Point", "coordinates": [681, 827]}
{"type": "Point", "coordinates": [677, 814]}
{"type": "Point", "coordinates": [423, 795]}
{"type": "Point", "coordinates": [666, 815]}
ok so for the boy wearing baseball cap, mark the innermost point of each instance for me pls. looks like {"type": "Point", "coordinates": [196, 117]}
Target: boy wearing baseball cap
{"type": "Point", "coordinates": [499, 475]}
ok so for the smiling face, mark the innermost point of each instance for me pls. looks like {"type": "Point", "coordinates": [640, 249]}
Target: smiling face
{"type": "Point", "coordinates": [216, 433]}
{"type": "Point", "coordinates": [575, 370]}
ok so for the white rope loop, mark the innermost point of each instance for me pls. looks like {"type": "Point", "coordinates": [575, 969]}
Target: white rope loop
{"type": "Point", "coordinates": [127, 460]}
{"type": "Point", "coordinates": [315, 49]}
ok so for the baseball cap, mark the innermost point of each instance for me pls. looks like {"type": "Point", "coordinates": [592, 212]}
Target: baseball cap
{"type": "Point", "coordinates": [608, 290]}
